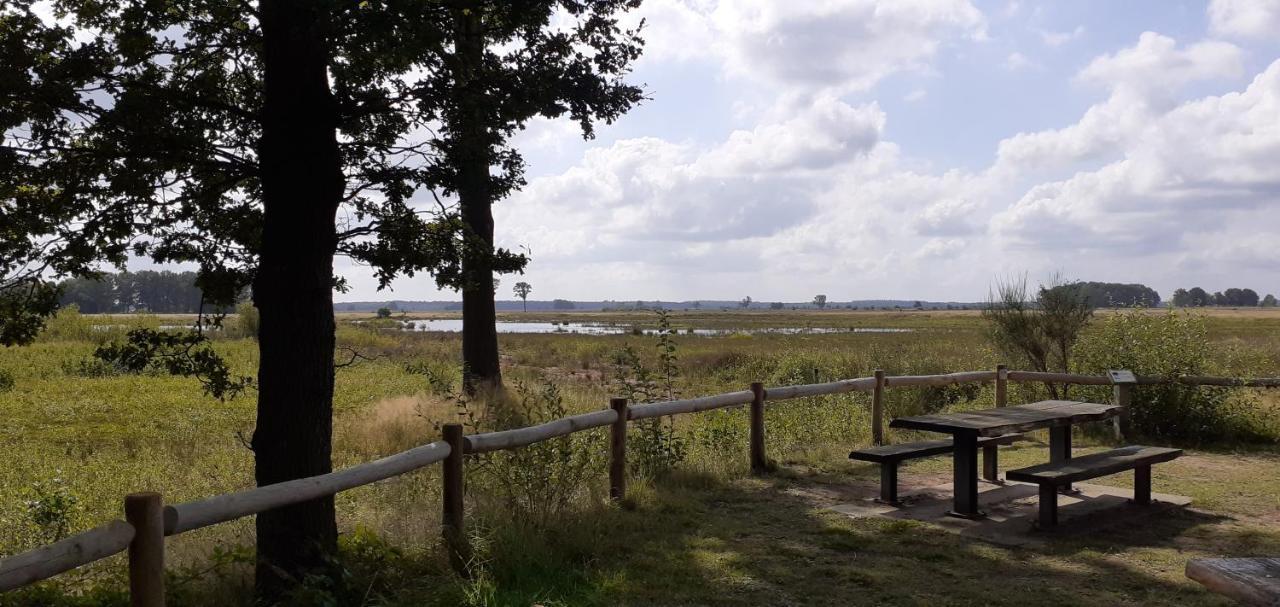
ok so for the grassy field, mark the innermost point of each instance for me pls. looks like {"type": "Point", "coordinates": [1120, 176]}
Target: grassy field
{"type": "Point", "coordinates": [701, 530]}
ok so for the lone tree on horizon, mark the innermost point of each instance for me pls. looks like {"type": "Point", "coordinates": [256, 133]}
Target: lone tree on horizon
{"type": "Point", "coordinates": [523, 289]}
{"type": "Point", "coordinates": [258, 141]}
{"type": "Point", "coordinates": [820, 301]}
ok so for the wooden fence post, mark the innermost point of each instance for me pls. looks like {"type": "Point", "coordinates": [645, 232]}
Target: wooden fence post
{"type": "Point", "coordinates": [454, 528]}
{"type": "Point", "coordinates": [145, 511]}
{"type": "Point", "coordinates": [618, 451]}
{"type": "Point", "coordinates": [759, 464]}
{"type": "Point", "coordinates": [1002, 385]}
{"type": "Point", "coordinates": [877, 409]}
{"type": "Point", "coordinates": [1123, 395]}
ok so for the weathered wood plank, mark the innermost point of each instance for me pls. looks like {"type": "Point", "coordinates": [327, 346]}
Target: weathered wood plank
{"type": "Point", "coordinates": [63, 555]}
{"type": "Point", "coordinates": [1094, 465]}
{"type": "Point", "coordinates": [1060, 378]}
{"type": "Point", "coordinates": [692, 405]}
{"type": "Point", "coordinates": [229, 506]}
{"type": "Point", "coordinates": [1260, 382]}
{"type": "Point", "coordinates": [919, 449]}
{"type": "Point", "coordinates": [520, 437]}
{"type": "Point", "coordinates": [1007, 420]}
{"type": "Point", "coordinates": [806, 390]}
{"type": "Point", "coordinates": [1252, 581]}
{"type": "Point", "coordinates": [938, 380]}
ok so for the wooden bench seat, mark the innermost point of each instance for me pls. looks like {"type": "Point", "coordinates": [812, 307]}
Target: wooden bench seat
{"type": "Point", "coordinates": [890, 456]}
{"type": "Point", "coordinates": [1057, 474]}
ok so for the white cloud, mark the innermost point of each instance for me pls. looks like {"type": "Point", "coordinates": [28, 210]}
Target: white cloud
{"type": "Point", "coordinates": [1143, 79]}
{"type": "Point", "coordinates": [1244, 18]}
{"type": "Point", "coordinates": [916, 95]}
{"type": "Point", "coordinates": [1056, 39]}
{"type": "Point", "coordinates": [1017, 61]}
{"type": "Point", "coordinates": [831, 45]}
{"type": "Point", "coordinates": [947, 217]}
{"type": "Point", "coordinates": [673, 30]}
{"type": "Point", "coordinates": [1199, 173]}
{"type": "Point", "coordinates": [1156, 65]}
{"type": "Point", "coordinates": [754, 183]}
{"type": "Point", "coordinates": [939, 248]}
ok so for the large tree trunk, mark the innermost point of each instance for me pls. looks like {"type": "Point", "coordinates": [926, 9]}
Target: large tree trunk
{"type": "Point", "coordinates": [302, 184]}
{"type": "Point", "coordinates": [479, 335]}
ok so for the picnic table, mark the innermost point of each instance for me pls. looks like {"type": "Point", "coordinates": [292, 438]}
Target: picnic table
{"type": "Point", "coordinates": [966, 427]}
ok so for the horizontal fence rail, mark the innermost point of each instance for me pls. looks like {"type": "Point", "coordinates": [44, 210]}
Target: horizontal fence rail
{"type": "Point", "coordinates": [230, 506]}
{"type": "Point", "coordinates": [147, 588]}
{"type": "Point", "coordinates": [65, 554]}
{"type": "Point", "coordinates": [939, 380]}
{"type": "Point", "coordinates": [692, 405]}
{"type": "Point", "coordinates": [1061, 378]}
{"type": "Point", "coordinates": [520, 437]}
{"type": "Point", "coordinates": [805, 390]}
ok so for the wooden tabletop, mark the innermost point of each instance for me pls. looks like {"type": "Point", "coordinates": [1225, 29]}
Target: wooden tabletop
{"type": "Point", "coordinates": [1254, 581]}
{"type": "Point", "coordinates": [994, 422]}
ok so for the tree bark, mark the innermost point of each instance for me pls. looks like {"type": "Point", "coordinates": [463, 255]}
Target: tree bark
{"type": "Point", "coordinates": [481, 366]}
{"type": "Point", "coordinates": [302, 184]}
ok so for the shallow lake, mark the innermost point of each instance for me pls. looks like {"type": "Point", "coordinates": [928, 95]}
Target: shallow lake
{"type": "Point", "coordinates": [581, 328]}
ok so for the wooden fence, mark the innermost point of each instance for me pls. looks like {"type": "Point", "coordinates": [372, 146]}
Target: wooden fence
{"type": "Point", "coordinates": [148, 520]}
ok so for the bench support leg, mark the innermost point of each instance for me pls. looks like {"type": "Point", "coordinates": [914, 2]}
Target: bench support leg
{"type": "Point", "coordinates": [1142, 485]}
{"type": "Point", "coordinates": [1048, 506]}
{"type": "Point", "coordinates": [889, 483]}
{"type": "Point", "coordinates": [1060, 450]}
{"type": "Point", "coordinates": [991, 464]}
{"type": "Point", "coordinates": [965, 476]}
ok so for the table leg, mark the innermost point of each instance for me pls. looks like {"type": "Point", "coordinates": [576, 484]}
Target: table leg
{"type": "Point", "coordinates": [965, 476]}
{"type": "Point", "coordinates": [1060, 449]}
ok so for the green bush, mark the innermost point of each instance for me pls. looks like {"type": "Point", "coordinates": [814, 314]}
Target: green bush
{"type": "Point", "coordinates": [536, 484]}
{"type": "Point", "coordinates": [246, 320]}
{"type": "Point", "coordinates": [51, 507]}
{"type": "Point", "coordinates": [655, 446]}
{"type": "Point", "coordinates": [1167, 346]}
{"type": "Point", "coordinates": [6, 380]}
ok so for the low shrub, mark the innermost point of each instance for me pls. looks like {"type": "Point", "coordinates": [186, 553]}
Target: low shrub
{"type": "Point", "coordinates": [537, 483]}
{"type": "Point", "coordinates": [1168, 345]}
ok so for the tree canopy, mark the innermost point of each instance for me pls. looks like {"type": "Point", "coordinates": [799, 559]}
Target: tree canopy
{"type": "Point", "coordinates": [158, 292]}
{"type": "Point", "coordinates": [1198, 297]}
{"type": "Point", "coordinates": [1115, 295]}
{"type": "Point", "coordinates": [256, 141]}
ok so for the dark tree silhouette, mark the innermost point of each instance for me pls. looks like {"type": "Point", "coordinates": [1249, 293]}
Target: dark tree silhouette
{"type": "Point", "coordinates": [820, 301]}
{"type": "Point", "coordinates": [1200, 297]}
{"type": "Point", "coordinates": [506, 65]}
{"type": "Point", "coordinates": [523, 289]}
{"type": "Point", "coordinates": [258, 141]}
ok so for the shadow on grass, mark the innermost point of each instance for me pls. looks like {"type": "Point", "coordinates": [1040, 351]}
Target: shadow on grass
{"type": "Point", "coordinates": [704, 541]}
{"type": "Point", "coordinates": [695, 539]}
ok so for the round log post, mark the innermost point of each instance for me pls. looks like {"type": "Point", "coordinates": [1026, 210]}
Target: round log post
{"type": "Point", "coordinates": [454, 526]}
{"type": "Point", "coordinates": [759, 465]}
{"type": "Point", "coordinates": [145, 512]}
{"type": "Point", "coordinates": [1002, 385]}
{"type": "Point", "coordinates": [1123, 394]}
{"type": "Point", "coordinates": [618, 451]}
{"type": "Point", "coordinates": [877, 409]}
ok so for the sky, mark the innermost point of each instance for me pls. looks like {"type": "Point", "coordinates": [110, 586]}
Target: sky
{"type": "Point", "coordinates": [912, 149]}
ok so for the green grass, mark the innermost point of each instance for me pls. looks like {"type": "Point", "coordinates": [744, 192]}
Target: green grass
{"type": "Point", "coordinates": [707, 534]}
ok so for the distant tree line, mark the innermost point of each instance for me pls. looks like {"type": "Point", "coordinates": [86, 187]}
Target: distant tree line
{"type": "Point", "coordinates": [159, 292]}
{"type": "Point", "coordinates": [1196, 297]}
{"type": "Point", "coordinates": [1114, 295]}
